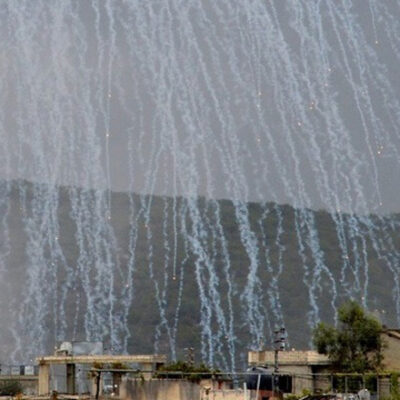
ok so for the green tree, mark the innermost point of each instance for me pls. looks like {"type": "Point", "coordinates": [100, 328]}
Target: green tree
{"type": "Point", "coordinates": [356, 344]}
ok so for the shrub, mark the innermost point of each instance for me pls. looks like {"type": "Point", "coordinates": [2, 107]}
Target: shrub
{"type": "Point", "coordinates": [10, 388]}
{"type": "Point", "coordinates": [193, 373]}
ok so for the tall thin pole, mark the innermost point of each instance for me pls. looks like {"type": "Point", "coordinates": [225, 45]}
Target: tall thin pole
{"type": "Point", "coordinates": [279, 345]}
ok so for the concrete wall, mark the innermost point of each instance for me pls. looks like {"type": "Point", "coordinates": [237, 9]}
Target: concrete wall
{"type": "Point", "coordinates": [29, 384]}
{"type": "Point", "coordinates": [301, 377]}
{"type": "Point", "coordinates": [134, 389]}
{"type": "Point", "coordinates": [234, 394]}
{"type": "Point", "coordinates": [322, 384]}
{"type": "Point", "coordinates": [391, 353]}
{"type": "Point", "coordinates": [159, 390]}
{"type": "Point", "coordinates": [384, 387]}
{"type": "Point", "coordinates": [297, 357]}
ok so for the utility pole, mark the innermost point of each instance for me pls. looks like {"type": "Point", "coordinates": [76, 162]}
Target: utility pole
{"type": "Point", "coordinates": [279, 345]}
{"type": "Point", "coordinates": [190, 355]}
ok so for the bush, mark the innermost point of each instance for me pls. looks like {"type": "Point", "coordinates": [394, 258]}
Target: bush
{"type": "Point", "coordinates": [118, 365]}
{"type": "Point", "coordinates": [394, 386]}
{"type": "Point", "coordinates": [292, 397]}
{"type": "Point", "coordinates": [183, 370]}
{"type": "Point", "coordinates": [10, 388]}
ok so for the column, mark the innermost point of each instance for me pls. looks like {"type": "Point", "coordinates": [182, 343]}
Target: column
{"type": "Point", "coordinates": [97, 385]}
{"type": "Point", "coordinates": [147, 370]}
{"type": "Point", "coordinates": [44, 379]}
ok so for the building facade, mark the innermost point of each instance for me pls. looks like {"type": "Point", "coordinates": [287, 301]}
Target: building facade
{"type": "Point", "coordinates": [312, 372]}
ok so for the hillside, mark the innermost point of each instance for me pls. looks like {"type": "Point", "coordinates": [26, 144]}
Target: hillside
{"type": "Point", "coordinates": [155, 274]}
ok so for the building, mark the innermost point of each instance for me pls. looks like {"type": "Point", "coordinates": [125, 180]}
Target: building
{"type": "Point", "coordinates": [147, 365]}
{"type": "Point", "coordinates": [181, 389]}
{"type": "Point", "coordinates": [312, 372]}
{"type": "Point", "coordinates": [301, 365]}
{"type": "Point", "coordinates": [25, 377]}
{"type": "Point", "coordinates": [391, 352]}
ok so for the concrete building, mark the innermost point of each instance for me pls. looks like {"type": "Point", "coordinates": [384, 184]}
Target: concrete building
{"type": "Point", "coordinates": [391, 352]}
{"type": "Point", "coordinates": [28, 383]}
{"type": "Point", "coordinates": [301, 365]}
{"type": "Point", "coordinates": [147, 365]}
{"type": "Point", "coordinates": [181, 389]}
{"type": "Point", "coordinates": [311, 371]}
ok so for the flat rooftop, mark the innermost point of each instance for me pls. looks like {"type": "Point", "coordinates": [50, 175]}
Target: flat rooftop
{"type": "Point", "coordinates": [295, 357]}
{"type": "Point", "coordinates": [106, 359]}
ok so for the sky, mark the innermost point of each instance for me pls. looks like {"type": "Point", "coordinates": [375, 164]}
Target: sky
{"type": "Point", "coordinates": [290, 101]}
{"type": "Point", "coordinates": [294, 102]}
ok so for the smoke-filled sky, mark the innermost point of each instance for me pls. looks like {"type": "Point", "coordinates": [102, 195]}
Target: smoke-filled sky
{"type": "Point", "coordinates": [288, 101]}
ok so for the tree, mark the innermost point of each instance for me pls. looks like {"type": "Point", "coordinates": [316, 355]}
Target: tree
{"type": "Point", "coordinates": [356, 344]}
